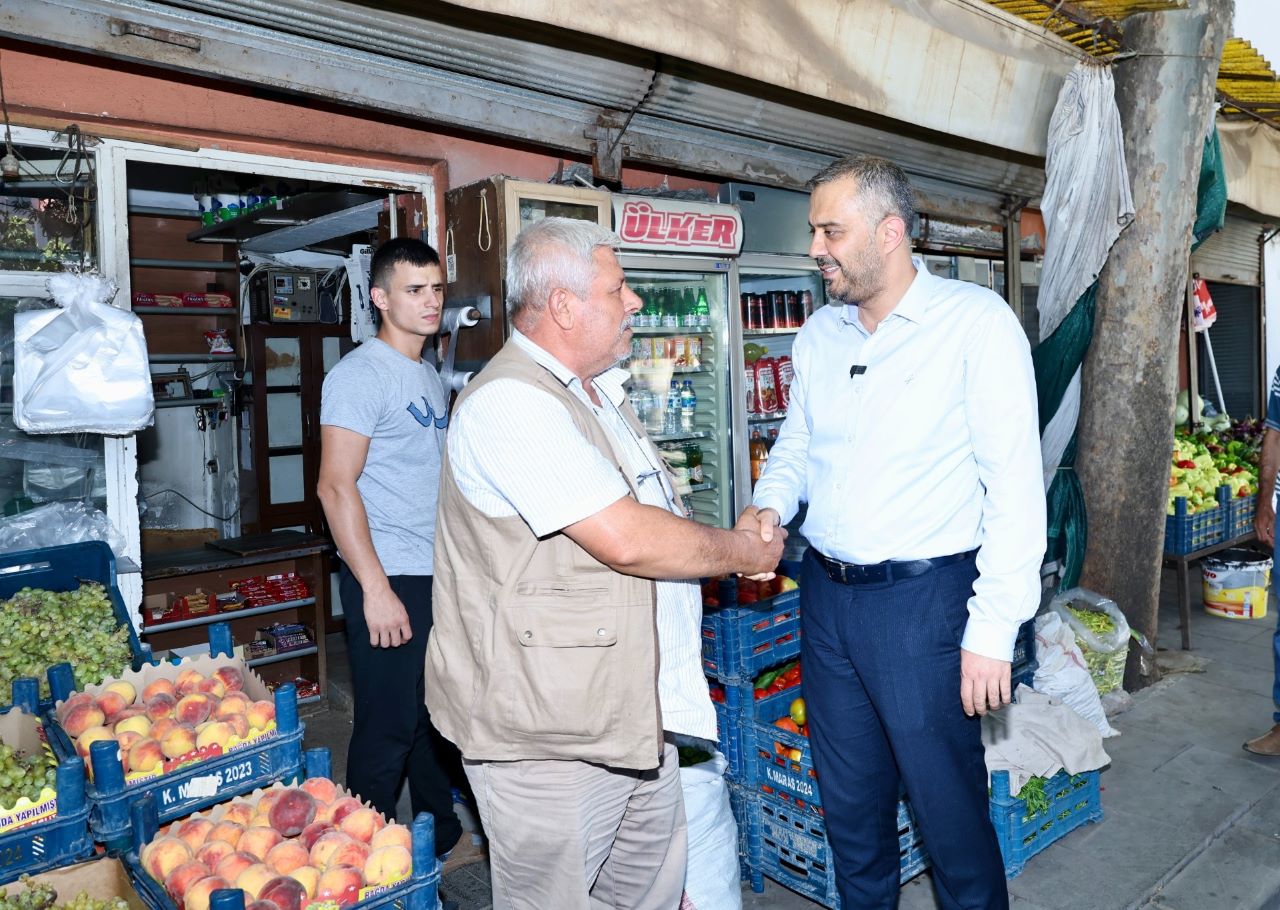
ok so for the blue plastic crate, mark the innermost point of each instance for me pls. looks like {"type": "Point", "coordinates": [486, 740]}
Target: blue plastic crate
{"type": "Point", "coordinates": [1074, 800]}
{"type": "Point", "coordinates": [419, 892]}
{"type": "Point", "coordinates": [56, 841]}
{"type": "Point", "coordinates": [1024, 655]}
{"type": "Point", "coordinates": [739, 800]}
{"type": "Point", "coordinates": [740, 641]}
{"type": "Point", "coordinates": [64, 568]}
{"type": "Point", "coordinates": [1185, 533]}
{"type": "Point", "coordinates": [788, 844]}
{"type": "Point", "coordinates": [196, 786]}
{"type": "Point", "coordinates": [736, 716]}
{"type": "Point", "coordinates": [1240, 512]}
{"type": "Point", "coordinates": [774, 773]}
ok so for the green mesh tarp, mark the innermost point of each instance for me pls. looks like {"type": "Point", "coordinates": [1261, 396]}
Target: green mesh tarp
{"type": "Point", "coordinates": [1211, 192]}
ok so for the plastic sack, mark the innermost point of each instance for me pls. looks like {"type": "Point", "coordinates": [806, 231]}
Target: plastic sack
{"type": "Point", "coordinates": [1082, 599]}
{"type": "Point", "coordinates": [56, 524]}
{"type": "Point", "coordinates": [711, 876]}
{"type": "Point", "coordinates": [82, 368]}
{"type": "Point", "coordinates": [1062, 671]}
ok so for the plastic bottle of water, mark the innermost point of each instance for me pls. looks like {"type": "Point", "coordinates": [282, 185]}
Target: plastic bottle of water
{"type": "Point", "coordinates": [688, 406]}
{"type": "Point", "coordinates": [671, 424]}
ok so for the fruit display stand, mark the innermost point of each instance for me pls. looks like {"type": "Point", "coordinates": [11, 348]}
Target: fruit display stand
{"type": "Point", "coordinates": [59, 833]}
{"type": "Point", "coordinates": [63, 569]}
{"type": "Point", "coordinates": [419, 891]}
{"type": "Point", "coordinates": [206, 774]}
{"type": "Point", "coordinates": [101, 879]}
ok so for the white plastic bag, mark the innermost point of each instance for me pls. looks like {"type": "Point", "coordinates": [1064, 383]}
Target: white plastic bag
{"type": "Point", "coordinates": [1083, 599]}
{"type": "Point", "coordinates": [1062, 672]}
{"type": "Point", "coordinates": [82, 368]}
{"type": "Point", "coordinates": [56, 524]}
{"type": "Point", "coordinates": [711, 878]}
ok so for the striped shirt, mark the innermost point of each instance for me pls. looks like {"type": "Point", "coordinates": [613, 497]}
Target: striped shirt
{"type": "Point", "coordinates": [514, 450]}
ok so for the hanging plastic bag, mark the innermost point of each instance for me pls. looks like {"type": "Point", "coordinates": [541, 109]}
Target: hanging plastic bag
{"type": "Point", "coordinates": [711, 877]}
{"type": "Point", "coordinates": [56, 524]}
{"type": "Point", "coordinates": [81, 368]}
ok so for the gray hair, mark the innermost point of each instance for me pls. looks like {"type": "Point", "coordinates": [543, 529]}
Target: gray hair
{"type": "Point", "coordinates": [553, 253]}
{"type": "Point", "coordinates": [883, 187]}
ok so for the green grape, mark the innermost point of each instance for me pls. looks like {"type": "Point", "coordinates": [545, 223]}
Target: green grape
{"type": "Point", "coordinates": [39, 628]}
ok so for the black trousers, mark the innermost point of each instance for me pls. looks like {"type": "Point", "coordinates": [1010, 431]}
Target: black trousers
{"type": "Point", "coordinates": [392, 734]}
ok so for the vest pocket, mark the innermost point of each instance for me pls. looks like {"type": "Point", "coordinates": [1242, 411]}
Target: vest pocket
{"type": "Point", "coordinates": [564, 672]}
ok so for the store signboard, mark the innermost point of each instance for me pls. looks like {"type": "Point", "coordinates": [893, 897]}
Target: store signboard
{"type": "Point", "coordinates": [677, 226]}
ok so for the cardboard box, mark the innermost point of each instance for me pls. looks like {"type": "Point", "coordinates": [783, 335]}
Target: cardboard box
{"type": "Point", "coordinates": [206, 665]}
{"type": "Point", "coordinates": [25, 733]}
{"type": "Point", "coordinates": [103, 879]}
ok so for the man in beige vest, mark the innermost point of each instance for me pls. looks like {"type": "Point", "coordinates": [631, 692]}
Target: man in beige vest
{"type": "Point", "coordinates": [542, 665]}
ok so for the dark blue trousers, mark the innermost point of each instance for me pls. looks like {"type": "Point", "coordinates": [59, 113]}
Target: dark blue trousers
{"type": "Point", "coordinates": [882, 687]}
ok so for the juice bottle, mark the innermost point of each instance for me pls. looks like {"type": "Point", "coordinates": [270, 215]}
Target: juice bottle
{"type": "Point", "coordinates": [767, 386]}
{"type": "Point", "coordinates": [784, 373]}
{"type": "Point", "coordinates": [759, 453]}
{"type": "Point", "coordinates": [749, 385]}
{"type": "Point", "coordinates": [693, 457]}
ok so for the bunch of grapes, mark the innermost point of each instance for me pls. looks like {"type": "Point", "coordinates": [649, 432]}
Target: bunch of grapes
{"type": "Point", "coordinates": [43, 897]}
{"type": "Point", "coordinates": [24, 774]}
{"type": "Point", "coordinates": [39, 628]}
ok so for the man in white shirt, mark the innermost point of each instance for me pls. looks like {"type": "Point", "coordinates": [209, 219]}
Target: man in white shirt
{"type": "Point", "coordinates": [913, 436]}
{"type": "Point", "coordinates": [555, 513]}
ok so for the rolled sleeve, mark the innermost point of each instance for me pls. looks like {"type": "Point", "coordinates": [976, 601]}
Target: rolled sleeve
{"type": "Point", "coordinates": [514, 444]}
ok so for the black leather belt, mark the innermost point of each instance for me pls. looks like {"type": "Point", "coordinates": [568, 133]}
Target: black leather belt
{"type": "Point", "coordinates": [848, 573]}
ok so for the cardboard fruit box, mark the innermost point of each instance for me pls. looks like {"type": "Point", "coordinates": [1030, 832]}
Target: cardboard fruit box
{"type": "Point", "coordinates": [101, 879]}
{"type": "Point", "coordinates": [314, 845]}
{"type": "Point", "coordinates": [24, 733]}
{"type": "Point", "coordinates": [197, 765]}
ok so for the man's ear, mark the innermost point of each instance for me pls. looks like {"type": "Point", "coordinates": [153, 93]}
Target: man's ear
{"type": "Point", "coordinates": [560, 309]}
{"type": "Point", "coordinates": [379, 297]}
{"type": "Point", "coordinates": [893, 233]}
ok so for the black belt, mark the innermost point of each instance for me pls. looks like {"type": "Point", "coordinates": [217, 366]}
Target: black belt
{"type": "Point", "coordinates": [848, 573]}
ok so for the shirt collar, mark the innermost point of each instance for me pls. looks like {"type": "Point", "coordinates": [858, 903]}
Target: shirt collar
{"type": "Point", "coordinates": [610, 382]}
{"type": "Point", "coordinates": [914, 303]}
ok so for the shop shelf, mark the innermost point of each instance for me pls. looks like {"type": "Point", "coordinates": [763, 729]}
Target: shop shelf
{"type": "Point", "coordinates": [739, 641]}
{"type": "Point", "coordinates": [286, 655]}
{"type": "Point", "coordinates": [669, 330]}
{"type": "Point", "coordinates": [192, 358]}
{"type": "Point", "coordinates": [186, 310]}
{"type": "Point", "coordinates": [64, 568]}
{"type": "Point", "coordinates": [675, 437]}
{"type": "Point", "coordinates": [1184, 533]}
{"type": "Point", "coordinates": [754, 333]}
{"type": "Point", "coordinates": [56, 841]}
{"type": "Point", "coordinates": [192, 402]}
{"type": "Point", "coordinates": [1074, 800]}
{"type": "Point", "coordinates": [198, 265]}
{"type": "Point", "coordinates": [419, 892]}
{"type": "Point", "coordinates": [766, 418]}
{"type": "Point", "coordinates": [787, 843]}
{"type": "Point", "coordinates": [227, 615]}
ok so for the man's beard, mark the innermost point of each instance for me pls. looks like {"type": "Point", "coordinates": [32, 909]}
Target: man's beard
{"type": "Point", "coordinates": [861, 280]}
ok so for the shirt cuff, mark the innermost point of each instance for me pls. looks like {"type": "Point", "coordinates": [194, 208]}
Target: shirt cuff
{"type": "Point", "coordinates": [770, 502]}
{"type": "Point", "coordinates": [990, 638]}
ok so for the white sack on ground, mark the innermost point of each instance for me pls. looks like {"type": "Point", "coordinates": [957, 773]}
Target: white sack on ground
{"type": "Point", "coordinates": [1062, 672]}
{"type": "Point", "coordinates": [711, 880]}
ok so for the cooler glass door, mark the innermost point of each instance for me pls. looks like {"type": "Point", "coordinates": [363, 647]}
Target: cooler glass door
{"type": "Point", "coordinates": [680, 337]}
{"type": "Point", "coordinates": [772, 306]}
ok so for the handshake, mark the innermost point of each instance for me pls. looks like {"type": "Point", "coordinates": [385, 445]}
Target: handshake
{"type": "Point", "coordinates": [761, 536]}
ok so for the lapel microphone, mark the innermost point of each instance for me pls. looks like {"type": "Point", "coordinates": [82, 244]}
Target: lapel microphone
{"type": "Point", "coordinates": [857, 370]}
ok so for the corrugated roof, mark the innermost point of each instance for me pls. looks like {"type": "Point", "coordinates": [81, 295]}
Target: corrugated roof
{"type": "Point", "coordinates": [1247, 84]}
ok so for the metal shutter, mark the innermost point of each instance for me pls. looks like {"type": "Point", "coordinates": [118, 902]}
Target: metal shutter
{"type": "Point", "coordinates": [1231, 255]}
{"type": "Point", "coordinates": [1236, 350]}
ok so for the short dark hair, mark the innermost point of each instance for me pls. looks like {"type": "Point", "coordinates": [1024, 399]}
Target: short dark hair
{"type": "Point", "coordinates": [395, 251]}
{"type": "Point", "coordinates": [883, 186]}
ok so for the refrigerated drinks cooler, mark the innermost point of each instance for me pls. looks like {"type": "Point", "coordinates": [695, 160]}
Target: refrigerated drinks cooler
{"type": "Point", "coordinates": [776, 287]}
{"type": "Point", "coordinates": [678, 257]}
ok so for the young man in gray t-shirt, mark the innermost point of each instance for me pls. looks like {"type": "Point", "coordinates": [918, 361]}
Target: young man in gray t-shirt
{"type": "Point", "coordinates": [383, 414]}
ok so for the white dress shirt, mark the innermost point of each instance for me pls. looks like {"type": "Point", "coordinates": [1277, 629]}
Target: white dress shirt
{"type": "Point", "coordinates": [933, 450]}
{"type": "Point", "coordinates": [514, 449]}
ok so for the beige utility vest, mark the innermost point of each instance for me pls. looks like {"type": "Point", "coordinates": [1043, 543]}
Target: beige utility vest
{"type": "Point", "coordinates": [538, 650]}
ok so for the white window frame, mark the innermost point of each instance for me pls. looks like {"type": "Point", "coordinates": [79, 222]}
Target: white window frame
{"type": "Point", "coordinates": [112, 159]}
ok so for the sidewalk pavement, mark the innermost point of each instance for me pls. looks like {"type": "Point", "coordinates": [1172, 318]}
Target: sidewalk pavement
{"type": "Point", "coordinates": [1192, 821]}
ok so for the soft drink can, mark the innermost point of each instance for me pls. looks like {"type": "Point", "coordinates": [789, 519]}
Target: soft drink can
{"type": "Point", "coordinates": [777, 315]}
